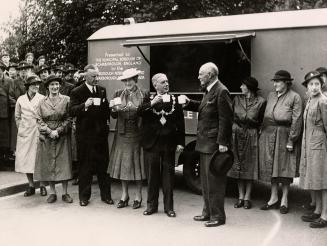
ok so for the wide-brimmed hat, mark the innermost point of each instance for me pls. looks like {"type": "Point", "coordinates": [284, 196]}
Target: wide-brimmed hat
{"type": "Point", "coordinates": [59, 68]}
{"type": "Point", "coordinates": [52, 78]}
{"type": "Point", "coordinates": [282, 75]}
{"type": "Point", "coordinates": [129, 73]}
{"type": "Point", "coordinates": [221, 162]}
{"type": "Point", "coordinates": [311, 75]}
{"type": "Point", "coordinates": [41, 68]}
{"type": "Point", "coordinates": [70, 68]}
{"type": "Point", "coordinates": [24, 65]}
{"type": "Point", "coordinates": [12, 64]}
{"type": "Point", "coordinates": [32, 79]}
{"type": "Point", "coordinates": [4, 54]}
{"type": "Point", "coordinates": [251, 83]}
{"type": "Point", "coordinates": [322, 70]}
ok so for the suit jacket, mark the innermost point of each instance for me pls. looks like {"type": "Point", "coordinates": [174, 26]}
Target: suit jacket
{"type": "Point", "coordinates": [91, 124]}
{"type": "Point", "coordinates": [214, 120]}
{"type": "Point", "coordinates": [162, 137]}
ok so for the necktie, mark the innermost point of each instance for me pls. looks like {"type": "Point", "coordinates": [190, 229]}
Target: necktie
{"type": "Point", "coordinates": [93, 90]}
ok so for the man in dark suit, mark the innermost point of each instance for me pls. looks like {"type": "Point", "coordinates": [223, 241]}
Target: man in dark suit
{"type": "Point", "coordinates": [163, 134]}
{"type": "Point", "coordinates": [88, 103]}
{"type": "Point", "coordinates": [214, 132]}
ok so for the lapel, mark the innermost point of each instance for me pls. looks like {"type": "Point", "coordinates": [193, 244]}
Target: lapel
{"type": "Point", "coordinates": [86, 92]}
{"type": "Point", "coordinates": [49, 103]}
{"type": "Point", "coordinates": [208, 96]}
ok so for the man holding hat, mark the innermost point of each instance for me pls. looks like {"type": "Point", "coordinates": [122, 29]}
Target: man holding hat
{"type": "Point", "coordinates": [163, 134]}
{"type": "Point", "coordinates": [213, 134]}
{"type": "Point", "coordinates": [90, 107]}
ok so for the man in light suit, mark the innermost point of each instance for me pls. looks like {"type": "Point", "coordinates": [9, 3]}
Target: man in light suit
{"type": "Point", "coordinates": [214, 132]}
{"type": "Point", "coordinates": [88, 103]}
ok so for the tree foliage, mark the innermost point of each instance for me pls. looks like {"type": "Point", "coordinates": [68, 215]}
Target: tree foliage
{"type": "Point", "coordinates": [59, 28]}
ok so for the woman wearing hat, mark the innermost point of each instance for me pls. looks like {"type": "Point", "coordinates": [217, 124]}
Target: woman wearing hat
{"type": "Point", "coordinates": [125, 157]}
{"type": "Point", "coordinates": [53, 162]}
{"type": "Point", "coordinates": [249, 109]}
{"type": "Point", "coordinates": [27, 136]}
{"type": "Point", "coordinates": [279, 149]}
{"type": "Point", "coordinates": [313, 168]}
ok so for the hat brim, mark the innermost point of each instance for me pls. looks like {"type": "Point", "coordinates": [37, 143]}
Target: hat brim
{"type": "Point", "coordinates": [305, 82]}
{"type": "Point", "coordinates": [132, 75]}
{"type": "Point", "coordinates": [221, 162]}
{"type": "Point", "coordinates": [282, 79]}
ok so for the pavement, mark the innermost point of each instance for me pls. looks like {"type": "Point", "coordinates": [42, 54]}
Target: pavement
{"type": "Point", "coordinates": [32, 221]}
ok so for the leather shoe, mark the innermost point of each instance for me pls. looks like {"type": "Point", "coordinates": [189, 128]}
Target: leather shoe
{"type": "Point", "coordinates": [108, 201]}
{"type": "Point", "coordinates": [247, 204]}
{"type": "Point", "coordinates": [212, 223]}
{"type": "Point", "coordinates": [150, 211]}
{"type": "Point", "coordinates": [310, 217]}
{"type": "Point", "coordinates": [137, 204]}
{"type": "Point", "coordinates": [201, 218]}
{"type": "Point", "coordinates": [52, 198]}
{"type": "Point", "coordinates": [122, 203]}
{"type": "Point", "coordinates": [268, 207]}
{"type": "Point", "coordinates": [83, 203]}
{"type": "Point", "coordinates": [283, 209]}
{"type": "Point", "coordinates": [170, 213]}
{"type": "Point", "coordinates": [30, 191]}
{"type": "Point", "coordinates": [239, 203]}
{"type": "Point", "coordinates": [66, 198]}
{"type": "Point", "coordinates": [319, 223]}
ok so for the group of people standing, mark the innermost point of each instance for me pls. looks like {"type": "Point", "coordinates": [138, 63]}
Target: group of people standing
{"type": "Point", "coordinates": [278, 139]}
{"type": "Point", "coordinates": [271, 140]}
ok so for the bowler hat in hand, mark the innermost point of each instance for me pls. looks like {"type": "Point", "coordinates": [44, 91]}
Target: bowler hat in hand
{"type": "Point", "coordinates": [221, 162]}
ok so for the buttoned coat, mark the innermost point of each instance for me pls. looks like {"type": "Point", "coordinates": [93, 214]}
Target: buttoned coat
{"type": "Point", "coordinates": [248, 116]}
{"type": "Point", "coordinates": [282, 126]}
{"type": "Point", "coordinates": [28, 134]}
{"type": "Point", "coordinates": [313, 165]}
{"type": "Point", "coordinates": [54, 158]}
{"type": "Point", "coordinates": [214, 120]}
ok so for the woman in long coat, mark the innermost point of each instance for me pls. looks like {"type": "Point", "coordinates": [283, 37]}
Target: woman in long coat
{"type": "Point", "coordinates": [313, 165]}
{"type": "Point", "coordinates": [248, 109]}
{"type": "Point", "coordinates": [53, 162]}
{"type": "Point", "coordinates": [28, 134]}
{"type": "Point", "coordinates": [125, 162]}
{"type": "Point", "coordinates": [279, 143]}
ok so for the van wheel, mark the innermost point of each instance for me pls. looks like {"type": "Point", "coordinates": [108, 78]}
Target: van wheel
{"type": "Point", "coordinates": [191, 173]}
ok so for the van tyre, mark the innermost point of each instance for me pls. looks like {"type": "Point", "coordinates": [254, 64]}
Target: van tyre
{"type": "Point", "coordinates": [191, 172]}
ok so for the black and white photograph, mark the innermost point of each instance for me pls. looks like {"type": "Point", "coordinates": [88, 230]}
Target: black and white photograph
{"type": "Point", "coordinates": [168, 122]}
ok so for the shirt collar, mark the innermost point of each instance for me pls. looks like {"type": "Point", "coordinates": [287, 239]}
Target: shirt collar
{"type": "Point", "coordinates": [90, 87]}
{"type": "Point", "coordinates": [211, 85]}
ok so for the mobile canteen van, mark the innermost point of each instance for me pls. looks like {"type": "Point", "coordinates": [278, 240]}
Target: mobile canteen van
{"type": "Point", "coordinates": [240, 45]}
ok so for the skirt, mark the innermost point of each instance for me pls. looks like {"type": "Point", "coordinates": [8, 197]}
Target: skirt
{"type": "Point", "coordinates": [126, 158]}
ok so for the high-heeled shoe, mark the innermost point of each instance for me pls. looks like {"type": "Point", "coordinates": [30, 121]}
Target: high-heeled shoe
{"type": "Point", "coordinates": [268, 207]}
{"type": "Point", "coordinates": [239, 203]}
{"type": "Point", "coordinates": [122, 203]}
{"type": "Point", "coordinates": [137, 204]}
